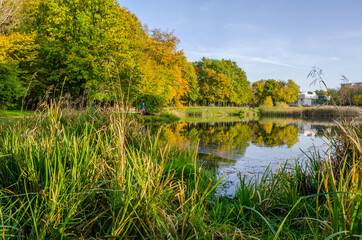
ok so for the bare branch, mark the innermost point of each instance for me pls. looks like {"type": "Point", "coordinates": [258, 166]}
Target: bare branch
{"type": "Point", "coordinates": [344, 78]}
{"type": "Point", "coordinates": [10, 14]}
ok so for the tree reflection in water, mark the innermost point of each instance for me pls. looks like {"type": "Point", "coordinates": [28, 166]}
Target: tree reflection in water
{"type": "Point", "coordinates": [222, 146]}
{"type": "Point", "coordinates": [231, 136]}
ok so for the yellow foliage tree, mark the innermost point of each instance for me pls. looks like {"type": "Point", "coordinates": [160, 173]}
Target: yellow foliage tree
{"type": "Point", "coordinates": [18, 47]}
{"type": "Point", "coordinates": [268, 102]}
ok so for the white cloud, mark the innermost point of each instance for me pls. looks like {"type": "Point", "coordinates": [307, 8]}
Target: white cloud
{"type": "Point", "coordinates": [334, 58]}
{"type": "Point", "coordinates": [235, 57]}
{"type": "Point", "coordinates": [207, 6]}
{"type": "Point", "coordinates": [239, 26]}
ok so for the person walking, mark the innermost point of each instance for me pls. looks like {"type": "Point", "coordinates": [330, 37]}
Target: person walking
{"type": "Point", "coordinates": [143, 109]}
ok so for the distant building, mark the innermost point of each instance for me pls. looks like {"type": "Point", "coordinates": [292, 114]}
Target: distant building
{"type": "Point", "coordinates": [307, 98]}
{"type": "Point", "coordinates": [355, 84]}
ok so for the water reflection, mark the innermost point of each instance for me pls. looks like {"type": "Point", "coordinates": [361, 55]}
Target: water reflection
{"type": "Point", "coordinates": [244, 147]}
{"type": "Point", "coordinates": [233, 136]}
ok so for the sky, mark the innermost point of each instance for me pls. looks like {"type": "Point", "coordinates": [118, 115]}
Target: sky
{"type": "Point", "coordinates": [269, 39]}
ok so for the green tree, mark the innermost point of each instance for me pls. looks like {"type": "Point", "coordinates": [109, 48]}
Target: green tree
{"type": "Point", "coordinates": [322, 97]}
{"type": "Point", "coordinates": [78, 40]}
{"type": "Point", "coordinates": [257, 94]}
{"type": "Point", "coordinates": [190, 74]}
{"type": "Point", "coordinates": [271, 88]}
{"type": "Point", "coordinates": [19, 51]}
{"type": "Point", "coordinates": [214, 86]}
{"type": "Point", "coordinates": [334, 95]}
{"type": "Point", "coordinates": [289, 92]}
{"type": "Point", "coordinates": [237, 85]}
{"type": "Point", "coordinates": [278, 91]}
{"type": "Point", "coordinates": [11, 89]}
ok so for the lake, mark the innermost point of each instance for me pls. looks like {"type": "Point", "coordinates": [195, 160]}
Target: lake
{"type": "Point", "coordinates": [247, 148]}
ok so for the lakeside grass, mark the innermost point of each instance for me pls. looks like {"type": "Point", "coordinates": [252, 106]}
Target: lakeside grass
{"type": "Point", "coordinates": [163, 118]}
{"type": "Point", "coordinates": [208, 111]}
{"type": "Point", "coordinates": [208, 119]}
{"type": "Point", "coordinates": [204, 111]}
{"type": "Point", "coordinates": [330, 112]}
{"type": "Point", "coordinates": [12, 113]}
{"type": "Point", "coordinates": [93, 174]}
{"type": "Point", "coordinates": [288, 120]}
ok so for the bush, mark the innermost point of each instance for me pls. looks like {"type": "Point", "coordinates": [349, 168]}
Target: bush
{"type": "Point", "coordinates": [153, 103]}
{"type": "Point", "coordinates": [281, 104]}
{"type": "Point", "coordinates": [268, 102]}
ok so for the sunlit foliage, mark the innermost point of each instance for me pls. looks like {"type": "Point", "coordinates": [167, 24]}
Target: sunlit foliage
{"type": "Point", "coordinates": [97, 50]}
{"type": "Point", "coordinates": [222, 81]}
{"type": "Point", "coordinates": [278, 91]}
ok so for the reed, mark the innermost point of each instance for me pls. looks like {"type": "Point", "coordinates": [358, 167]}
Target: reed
{"type": "Point", "coordinates": [93, 173]}
{"type": "Point", "coordinates": [331, 112]}
{"type": "Point", "coordinates": [68, 174]}
{"type": "Point", "coordinates": [204, 111]}
{"type": "Point", "coordinates": [319, 198]}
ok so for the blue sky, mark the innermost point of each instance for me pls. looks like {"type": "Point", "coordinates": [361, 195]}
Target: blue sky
{"type": "Point", "coordinates": [269, 39]}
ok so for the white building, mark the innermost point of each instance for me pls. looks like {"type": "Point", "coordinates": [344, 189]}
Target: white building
{"type": "Point", "coordinates": [307, 98]}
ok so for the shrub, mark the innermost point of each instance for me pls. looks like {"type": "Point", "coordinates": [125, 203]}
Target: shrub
{"type": "Point", "coordinates": [268, 102]}
{"type": "Point", "coordinates": [281, 104]}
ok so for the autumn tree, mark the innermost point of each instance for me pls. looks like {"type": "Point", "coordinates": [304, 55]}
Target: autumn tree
{"type": "Point", "coordinates": [166, 70]}
{"type": "Point", "coordinates": [349, 94]}
{"type": "Point", "coordinates": [268, 102]}
{"type": "Point", "coordinates": [278, 91]}
{"type": "Point", "coordinates": [18, 52]}
{"type": "Point", "coordinates": [289, 92]}
{"type": "Point", "coordinates": [194, 89]}
{"type": "Point", "coordinates": [222, 81]}
{"type": "Point", "coordinates": [214, 86]}
{"type": "Point", "coordinates": [78, 39]}
{"type": "Point", "coordinates": [257, 92]}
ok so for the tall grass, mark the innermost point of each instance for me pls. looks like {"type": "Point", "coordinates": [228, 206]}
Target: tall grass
{"type": "Point", "coordinates": [331, 112]}
{"type": "Point", "coordinates": [304, 200]}
{"type": "Point", "coordinates": [319, 198]}
{"type": "Point", "coordinates": [68, 174]}
{"type": "Point", "coordinates": [95, 174]}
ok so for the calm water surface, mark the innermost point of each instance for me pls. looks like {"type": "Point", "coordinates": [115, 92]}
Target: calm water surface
{"type": "Point", "coordinates": [247, 148]}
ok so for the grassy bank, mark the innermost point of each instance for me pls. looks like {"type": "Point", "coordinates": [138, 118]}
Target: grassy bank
{"type": "Point", "coordinates": [88, 174]}
{"type": "Point", "coordinates": [14, 113]}
{"type": "Point", "coordinates": [242, 112]}
{"type": "Point", "coordinates": [330, 112]}
{"type": "Point", "coordinates": [163, 118]}
{"type": "Point", "coordinates": [209, 119]}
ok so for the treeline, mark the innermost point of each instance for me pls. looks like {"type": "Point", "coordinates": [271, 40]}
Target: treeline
{"type": "Point", "coordinates": [99, 51]}
{"type": "Point", "coordinates": [91, 49]}
{"type": "Point", "coordinates": [345, 96]}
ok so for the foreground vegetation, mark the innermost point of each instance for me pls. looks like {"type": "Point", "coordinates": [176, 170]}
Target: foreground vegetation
{"type": "Point", "coordinates": [96, 174]}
